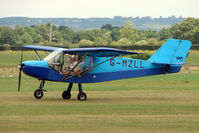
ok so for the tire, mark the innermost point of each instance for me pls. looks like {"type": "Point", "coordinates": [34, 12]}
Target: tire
{"type": "Point", "coordinates": [66, 95]}
{"type": "Point", "coordinates": [82, 96]}
{"type": "Point", "coordinates": [38, 93]}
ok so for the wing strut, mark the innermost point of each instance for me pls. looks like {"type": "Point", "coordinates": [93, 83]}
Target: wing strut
{"type": "Point", "coordinates": [38, 57]}
{"type": "Point", "coordinates": [87, 70]}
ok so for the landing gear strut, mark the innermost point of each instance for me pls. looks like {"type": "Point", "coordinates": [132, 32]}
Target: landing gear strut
{"type": "Point", "coordinates": [166, 69]}
{"type": "Point", "coordinates": [81, 96]}
{"type": "Point", "coordinates": [39, 92]}
{"type": "Point", "coordinates": [66, 94]}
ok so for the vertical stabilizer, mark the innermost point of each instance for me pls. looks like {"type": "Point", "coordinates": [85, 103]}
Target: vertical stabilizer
{"type": "Point", "coordinates": [173, 51]}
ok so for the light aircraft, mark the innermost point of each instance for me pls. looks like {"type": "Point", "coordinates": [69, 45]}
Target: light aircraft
{"type": "Point", "coordinates": [91, 65]}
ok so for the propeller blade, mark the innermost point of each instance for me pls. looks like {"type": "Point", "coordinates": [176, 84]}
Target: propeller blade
{"type": "Point", "coordinates": [20, 69]}
{"type": "Point", "coordinates": [21, 57]}
{"type": "Point", "coordinates": [19, 81]}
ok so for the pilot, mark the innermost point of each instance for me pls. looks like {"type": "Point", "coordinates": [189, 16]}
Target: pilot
{"type": "Point", "coordinates": [78, 69]}
{"type": "Point", "coordinates": [73, 61]}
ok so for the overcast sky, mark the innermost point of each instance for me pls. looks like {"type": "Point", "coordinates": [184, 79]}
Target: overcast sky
{"type": "Point", "coordinates": [99, 8]}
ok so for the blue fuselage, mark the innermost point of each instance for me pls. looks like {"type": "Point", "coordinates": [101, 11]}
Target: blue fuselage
{"type": "Point", "coordinates": [114, 69]}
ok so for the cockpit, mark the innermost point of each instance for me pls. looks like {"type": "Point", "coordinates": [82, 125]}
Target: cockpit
{"type": "Point", "coordinates": [65, 63]}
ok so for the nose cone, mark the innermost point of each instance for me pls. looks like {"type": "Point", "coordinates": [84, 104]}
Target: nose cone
{"type": "Point", "coordinates": [38, 69]}
{"type": "Point", "coordinates": [20, 67]}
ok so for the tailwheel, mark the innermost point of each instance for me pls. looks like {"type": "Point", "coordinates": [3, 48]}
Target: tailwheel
{"type": "Point", "coordinates": [66, 95]}
{"type": "Point", "coordinates": [82, 96]}
{"type": "Point", "coordinates": [38, 93]}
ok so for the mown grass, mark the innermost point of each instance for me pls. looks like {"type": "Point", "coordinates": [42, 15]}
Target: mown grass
{"type": "Point", "coordinates": [138, 111]}
{"type": "Point", "coordinates": [155, 104]}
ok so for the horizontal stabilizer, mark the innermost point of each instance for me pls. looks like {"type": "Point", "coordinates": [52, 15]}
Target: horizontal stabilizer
{"type": "Point", "coordinates": [166, 63]}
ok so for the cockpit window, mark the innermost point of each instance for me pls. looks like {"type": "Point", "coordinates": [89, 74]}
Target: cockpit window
{"type": "Point", "coordinates": [68, 63]}
{"type": "Point", "coordinates": [54, 57]}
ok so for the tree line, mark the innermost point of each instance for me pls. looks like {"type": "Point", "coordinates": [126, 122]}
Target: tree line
{"type": "Point", "coordinates": [107, 35]}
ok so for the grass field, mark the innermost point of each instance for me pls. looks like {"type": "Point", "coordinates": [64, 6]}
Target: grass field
{"type": "Point", "coordinates": [156, 104]}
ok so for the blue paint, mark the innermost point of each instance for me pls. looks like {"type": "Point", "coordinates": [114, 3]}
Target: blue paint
{"type": "Point", "coordinates": [174, 51]}
{"type": "Point", "coordinates": [36, 63]}
{"type": "Point", "coordinates": [108, 76]}
{"type": "Point", "coordinates": [41, 70]}
{"type": "Point", "coordinates": [122, 64]}
{"type": "Point", "coordinates": [37, 69]}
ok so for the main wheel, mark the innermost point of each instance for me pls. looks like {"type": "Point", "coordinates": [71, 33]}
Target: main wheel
{"type": "Point", "coordinates": [66, 95]}
{"type": "Point", "coordinates": [82, 96]}
{"type": "Point", "coordinates": [38, 93]}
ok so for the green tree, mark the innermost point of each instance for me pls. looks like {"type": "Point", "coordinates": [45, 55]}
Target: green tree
{"type": "Point", "coordinates": [32, 33]}
{"type": "Point", "coordinates": [107, 37]}
{"type": "Point", "coordinates": [85, 42]}
{"type": "Point", "coordinates": [99, 41]}
{"type": "Point", "coordinates": [128, 31]}
{"type": "Point", "coordinates": [57, 37]}
{"type": "Point", "coordinates": [186, 30]}
{"type": "Point", "coordinates": [67, 33]}
{"type": "Point", "coordinates": [7, 36]}
{"type": "Point", "coordinates": [124, 42]}
{"type": "Point", "coordinates": [115, 34]}
{"type": "Point", "coordinates": [24, 31]}
{"type": "Point", "coordinates": [88, 35]}
{"type": "Point", "coordinates": [107, 27]}
{"type": "Point", "coordinates": [195, 38]}
{"type": "Point", "coordinates": [151, 34]}
{"type": "Point", "coordinates": [42, 32]}
{"type": "Point", "coordinates": [165, 34]}
{"type": "Point", "coordinates": [25, 39]}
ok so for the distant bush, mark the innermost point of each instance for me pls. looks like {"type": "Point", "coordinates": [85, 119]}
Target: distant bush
{"type": "Point", "coordinates": [142, 42]}
{"type": "Point", "coordinates": [100, 42]}
{"type": "Point", "coordinates": [7, 46]}
{"type": "Point", "coordinates": [153, 41]}
{"type": "Point", "coordinates": [123, 42]}
{"type": "Point", "coordinates": [143, 56]}
{"type": "Point", "coordinates": [85, 42]}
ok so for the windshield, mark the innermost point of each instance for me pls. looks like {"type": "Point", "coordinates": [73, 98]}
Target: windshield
{"type": "Point", "coordinates": [54, 57]}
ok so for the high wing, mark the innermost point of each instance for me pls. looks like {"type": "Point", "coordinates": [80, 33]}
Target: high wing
{"type": "Point", "coordinates": [99, 51]}
{"type": "Point", "coordinates": [42, 48]}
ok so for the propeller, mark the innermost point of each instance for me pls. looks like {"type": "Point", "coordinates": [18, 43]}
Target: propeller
{"type": "Point", "coordinates": [20, 69]}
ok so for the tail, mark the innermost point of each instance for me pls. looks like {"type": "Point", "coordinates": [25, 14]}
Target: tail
{"type": "Point", "coordinates": [173, 52]}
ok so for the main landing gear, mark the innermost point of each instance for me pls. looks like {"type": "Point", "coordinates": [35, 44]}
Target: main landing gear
{"type": "Point", "coordinates": [38, 94]}
{"type": "Point", "coordinates": [67, 95]}
{"type": "Point", "coordinates": [81, 96]}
